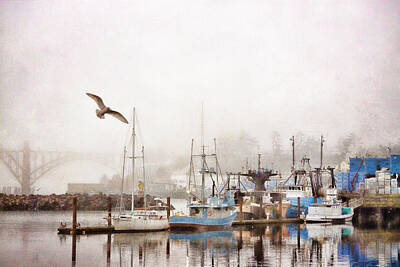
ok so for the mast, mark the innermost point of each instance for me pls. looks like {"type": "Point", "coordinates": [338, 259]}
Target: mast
{"type": "Point", "coordinates": [133, 160]}
{"type": "Point", "coordinates": [203, 158]}
{"type": "Point", "coordinates": [293, 163]}
{"type": "Point", "coordinates": [190, 171]}
{"type": "Point", "coordinates": [322, 144]}
{"type": "Point", "coordinates": [144, 181]}
{"type": "Point", "coordinates": [216, 161]}
{"type": "Point", "coordinates": [122, 181]}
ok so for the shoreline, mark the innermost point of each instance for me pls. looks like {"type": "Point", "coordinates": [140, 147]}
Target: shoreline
{"type": "Point", "coordinates": [63, 202]}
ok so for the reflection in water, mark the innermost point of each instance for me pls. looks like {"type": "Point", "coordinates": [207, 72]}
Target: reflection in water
{"type": "Point", "coordinates": [143, 249]}
{"type": "Point", "coordinates": [216, 245]}
{"type": "Point", "coordinates": [27, 240]}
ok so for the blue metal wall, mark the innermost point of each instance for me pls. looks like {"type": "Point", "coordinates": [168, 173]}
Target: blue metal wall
{"type": "Point", "coordinates": [395, 163]}
{"type": "Point", "coordinates": [344, 179]}
{"type": "Point", "coordinates": [369, 165]}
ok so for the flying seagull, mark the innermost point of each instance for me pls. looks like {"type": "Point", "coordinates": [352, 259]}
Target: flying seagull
{"type": "Point", "coordinates": [105, 110]}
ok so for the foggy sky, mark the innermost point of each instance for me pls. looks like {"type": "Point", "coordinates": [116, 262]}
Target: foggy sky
{"type": "Point", "coordinates": [320, 67]}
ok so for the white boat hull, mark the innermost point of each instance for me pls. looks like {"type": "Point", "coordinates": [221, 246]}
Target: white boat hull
{"type": "Point", "coordinates": [140, 224]}
{"type": "Point", "coordinates": [327, 214]}
{"type": "Point", "coordinates": [347, 217]}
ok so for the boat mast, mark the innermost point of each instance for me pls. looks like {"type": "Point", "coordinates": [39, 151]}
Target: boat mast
{"type": "Point", "coordinates": [322, 144]}
{"type": "Point", "coordinates": [216, 161]}
{"type": "Point", "coordinates": [190, 173]}
{"type": "Point", "coordinates": [133, 160]}
{"type": "Point", "coordinates": [203, 158]}
{"type": "Point", "coordinates": [144, 181]}
{"type": "Point", "coordinates": [122, 181]}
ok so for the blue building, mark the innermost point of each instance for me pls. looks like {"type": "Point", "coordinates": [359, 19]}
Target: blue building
{"type": "Point", "coordinates": [370, 165]}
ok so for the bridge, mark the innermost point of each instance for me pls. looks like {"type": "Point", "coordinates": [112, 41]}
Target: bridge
{"type": "Point", "coordinates": [28, 166]}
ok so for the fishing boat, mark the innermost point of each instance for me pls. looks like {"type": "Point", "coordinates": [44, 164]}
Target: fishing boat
{"type": "Point", "coordinates": [143, 219]}
{"type": "Point", "coordinates": [329, 213]}
{"type": "Point", "coordinates": [291, 194]}
{"type": "Point", "coordinates": [330, 210]}
{"type": "Point", "coordinates": [206, 213]}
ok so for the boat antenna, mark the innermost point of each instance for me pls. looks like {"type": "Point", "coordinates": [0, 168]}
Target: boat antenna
{"type": "Point", "coordinates": [122, 181]}
{"type": "Point", "coordinates": [133, 159]}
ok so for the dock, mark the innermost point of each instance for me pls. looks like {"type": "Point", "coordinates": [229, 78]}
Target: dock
{"type": "Point", "coordinates": [86, 230]}
{"type": "Point", "coordinates": [89, 230]}
{"type": "Point", "coordinates": [268, 221]}
{"type": "Point", "coordinates": [76, 229]}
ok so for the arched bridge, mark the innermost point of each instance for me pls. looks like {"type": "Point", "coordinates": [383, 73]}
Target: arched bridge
{"type": "Point", "coordinates": [29, 166]}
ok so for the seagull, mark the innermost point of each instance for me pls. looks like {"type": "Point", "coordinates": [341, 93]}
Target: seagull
{"type": "Point", "coordinates": [105, 110]}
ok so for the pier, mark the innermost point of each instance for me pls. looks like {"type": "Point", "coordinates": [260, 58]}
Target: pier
{"type": "Point", "coordinates": [268, 221]}
{"type": "Point", "coordinates": [374, 210]}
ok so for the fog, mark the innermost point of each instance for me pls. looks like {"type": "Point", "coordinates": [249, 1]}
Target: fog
{"type": "Point", "coordinates": [258, 67]}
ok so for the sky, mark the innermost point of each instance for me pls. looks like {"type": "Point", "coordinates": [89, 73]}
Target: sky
{"type": "Point", "coordinates": [320, 67]}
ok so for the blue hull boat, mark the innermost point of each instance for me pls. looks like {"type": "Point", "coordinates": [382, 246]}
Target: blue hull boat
{"type": "Point", "coordinates": [216, 214]}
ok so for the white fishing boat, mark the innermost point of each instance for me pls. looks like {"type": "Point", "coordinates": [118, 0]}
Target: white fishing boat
{"type": "Point", "coordinates": [144, 219]}
{"type": "Point", "coordinates": [329, 213]}
{"type": "Point", "coordinates": [330, 210]}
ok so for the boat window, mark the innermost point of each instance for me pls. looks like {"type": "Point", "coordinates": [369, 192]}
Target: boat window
{"type": "Point", "coordinates": [194, 211]}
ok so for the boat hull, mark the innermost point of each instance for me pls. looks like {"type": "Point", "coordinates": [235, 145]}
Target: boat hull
{"type": "Point", "coordinates": [329, 214]}
{"type": "Point", "coordinates": [140, 225]}
{"type": "Point", "coordinates": [200, 224]}
{"type": "Point", "coordinates": [345, 218]}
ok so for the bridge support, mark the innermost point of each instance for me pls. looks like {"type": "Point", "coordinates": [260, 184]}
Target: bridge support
{"type": "Point", "coordinates": [26, 170]}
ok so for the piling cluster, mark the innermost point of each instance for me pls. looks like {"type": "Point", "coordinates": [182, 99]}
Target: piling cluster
{"type": "Point", "coordinates": [9, 202]}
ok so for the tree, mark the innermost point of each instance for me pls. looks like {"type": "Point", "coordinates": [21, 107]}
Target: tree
{"type": "Point", "coordinates": [276, 144]}
{"type": "Point", "coordinates": [104, 180]}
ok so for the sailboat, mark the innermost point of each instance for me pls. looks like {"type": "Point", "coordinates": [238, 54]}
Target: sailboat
{"type": "Point", "coordinates": [215, 212]}
{"type": "Point", "coordinates": [144, 219]}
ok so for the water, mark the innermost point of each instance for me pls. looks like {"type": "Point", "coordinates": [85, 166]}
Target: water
{"type": "Point", "coordinates": [30, 239]}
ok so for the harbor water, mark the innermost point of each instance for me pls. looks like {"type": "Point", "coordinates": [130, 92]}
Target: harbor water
{"type": "Point", "coordinates": [31, 239]}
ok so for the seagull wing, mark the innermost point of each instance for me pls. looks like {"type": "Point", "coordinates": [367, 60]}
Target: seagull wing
{"type": "Point", "coordinates": [97, 99]}
{"type": "Point", "coordinates": [117, 115]}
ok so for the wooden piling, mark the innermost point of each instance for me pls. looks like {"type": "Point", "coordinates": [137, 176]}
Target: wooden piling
{"type": "Point", "coordinates": [108, 248]}
{"type": "Point", "coordinates": [109, 211]}
{"type": "Point", "coordinates": [74, 207]}
{"type": "Point", "coordinates": [298, 207]}
{"type": "Point", "coordinates": [167, 249]}
{"type": "Point", "coordinates": [315, 199]}
{"type": "Point", "coordinates": [298, 236]}
{"type": "Point", "coordinates": [73, 247]}
{"type": "Point", "coordinates": [168, 207]}
{"type": "Point", "coordinates": [74, 224]}
{"type": "Point", "coordinates": [280, 208]}
{"type": "Point", "coordinates": [241, 208]}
